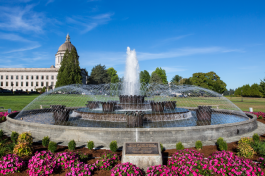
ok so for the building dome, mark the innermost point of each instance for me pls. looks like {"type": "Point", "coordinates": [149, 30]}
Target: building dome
{"type": "Point", "coordinates": [66, 45]}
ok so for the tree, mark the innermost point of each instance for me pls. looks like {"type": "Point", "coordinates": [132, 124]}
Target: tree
{"type": "Point", "coordinates": [262, 87]}
{"type": "Point", "coordinates": [176, 79]}
{"type": "Point", "coordinates": [144, 77]}
{"type": "Point", "coordinates": [162, 74]}
{"type": "Point", "coordinates": [69, 72]}
{"type": "Point", "coordinates": [155, 78]}
{"type": "Point", "coordinates": [99, 75]}
{"type": "Point", "coordinates": [249, 91]}
{"type": "Point", "coordinates": [208, 80]}
{"type": "Point", "coordinates": [113, 77]}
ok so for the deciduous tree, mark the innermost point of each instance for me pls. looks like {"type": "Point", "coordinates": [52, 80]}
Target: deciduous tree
{"type": "Point", "coordinates": [144, 77]}
{"type": "Point", "coordinates": [162, 74]}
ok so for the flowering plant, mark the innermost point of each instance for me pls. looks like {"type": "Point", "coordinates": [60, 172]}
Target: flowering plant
{"type": "Point", "coordinates": [42, 163]}
{"type": "Point", "coordinates": [159, 170]}
{"type": "Point", "coordinates": [107, 161]}
{"type": "Point", "coordinates": [126, 169]}
{"type": "Point", "coordinates": [189, 162]}
{"type": "Point", "coordinates": [67, 160]}
{"type": "Point", "coordinates": [4, 114]}
{"type": "Point", "coordinates": [81, 169]}
{"type": "Point", "coordinates": [225, 162]}
{"type": "Point", "coordinates": [262, 162]}
{"type": "Point", "coordinates": [262, 114]}
{"type": "Point", "coordinates": [10, 163]}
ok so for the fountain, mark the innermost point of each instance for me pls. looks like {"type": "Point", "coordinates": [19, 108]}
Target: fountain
{"type": "Point", "coordinates": [130, 111]}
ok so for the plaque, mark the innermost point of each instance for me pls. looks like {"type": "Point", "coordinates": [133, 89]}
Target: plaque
{"type": "Point", "coordinates": [141, 148]}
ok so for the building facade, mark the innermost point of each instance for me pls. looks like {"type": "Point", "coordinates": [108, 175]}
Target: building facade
{"type": "Point", "coordinates": [30, 79]}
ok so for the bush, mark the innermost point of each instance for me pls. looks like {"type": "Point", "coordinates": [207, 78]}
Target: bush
{"type": "Point", "coordinates": [24, 144]}
{"type": "Point", "coordinates": [222, 146]}
{"type": "Point", "coordinates": [71, 145]}
{"type": "Point", "coordinates": [1, 133]}
{"type": "Point", "coordinates": [159, 170]}
{"type": "Point", "coordinates": [259, 147]}
{"type": "Point", "coordinates": [126, 169]}
{"type": "Point", "coordinates": [256, 137]}
{"type": "Point", "coordinates": [246, 140]}
{"type": "Point", "coordinates": [113, 146]}
{"type": "Point", "coordinates": [14, 136]}
{"type": "Point", "coordinates": [198, 145]}
{"type": "Point", "coordinates": [52, 146]}
{"type": "Point", "coordinates": [179, 146]}
{"type": "Point", "coordinates": [90, 145]}
{"type": "Point", "coordinates": [67, 159]}
{"type": "Point", "coordinates": [81, 169]}
{"type": "Point", "coordinates": [82, 156]}
{"type": "Point", "coordinates": [219, 140]}
{"type": "Point", "coordinates": [107, 161]}
{"type": "Point", "coordinates": [10, 164]}
{"type": "Point", "coordinates": [245, 150]}
{"type": "Point", "coordinates": [161, 147]}
{"type": "Point", "coordinates": [260, 117]}
{"type": "Point", "coordinates": [45, 141]}
{"type": "Point", "coordinates": [3, 118]}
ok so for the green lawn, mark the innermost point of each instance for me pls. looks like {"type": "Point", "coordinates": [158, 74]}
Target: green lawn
{"type": "Point", "coordinates": [18, 102]}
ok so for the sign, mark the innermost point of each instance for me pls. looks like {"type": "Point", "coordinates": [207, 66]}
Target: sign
{"type": "Point", "coordinates": [141, 148]}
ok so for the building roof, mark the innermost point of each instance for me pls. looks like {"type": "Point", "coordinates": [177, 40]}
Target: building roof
{"type": "Point", "coordinates": [29, 69]}
{"type": "Point", "coordinates": [66, 45]}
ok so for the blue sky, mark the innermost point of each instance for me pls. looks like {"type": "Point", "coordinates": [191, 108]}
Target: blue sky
{"type": "Point", "coordinates": [182, 37]}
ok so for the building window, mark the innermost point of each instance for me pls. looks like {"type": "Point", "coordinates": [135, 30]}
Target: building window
{"type": "Point", "coordinates": [41, 84]}
{"type": "Point", "coordinates": [31, 90]}
{"type": "Point", "coordinates": [52, 77]}
{"type": "Point", "coordinates": [27, 77]}
{"type": "Point", "coordinates": [22, 77]}
{"type": "Point", "coordinates": [51, 83]}
{"type": "Point", "coordinates": [6, 83]}
{"type": "Point", "coordinates": [42, 77]}
{"type": "Point", "coordinates": [21, 83]}
{"type": "Point", "coordinates": [32, 77]}
{"type": "Point", "coordinates": [2, 77]}
{"type": "Point", "coordinates": [37, 84]}
{"type": "Point", "coordinates": [31, 83]}
{"type": "Point", "coordinates": [11, 76]}
{"type": "Point", "coordinates": [27, 84]}
{"type": "Point", "coordinates": [6, 77]}
{"type": "Point", "coordinates": [16, 83]}
{"type": "Point", "coordinates": [37, 77]}
{"type": "Point", "coordinates": [47, 77]}
{"type": "Point", "coordinates": [47, 84]}
{"type": "Point", "coordinates": [1, 83]}
{"type": "Point", "coordinates": [12, 84]}
{"type": "Point", "coordinates": [16, 77]}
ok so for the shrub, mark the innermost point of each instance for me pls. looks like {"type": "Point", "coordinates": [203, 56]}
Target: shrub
{"type": "Point", "coordinates": [159, 170]}
{"type": "Point", "coordinates": [222, 146]}
{"type": "Point", "coordinates": [10, 164]}
{"type": "Point", "coordinates": [262, 162]}
{"type": "Point", "coordinates": [179, 146]}
{"type": "Point", "coordinates": [24, 144]}
{"type": "Point", "coordinates": [3, 118]}
{"type": "Point", "coordinates": [14, 136]}
{"type": "Point", "coordinates": [113, 146]}
{"type": "Point", "coordinates": [81, 169]}
{"type": "Point", "coordinates": [45, 141]}
{"type": "Point", "coordinates": [256, 137]}
{"type": "Point", "coordinates": [1, 133]}
{"type": "Point", "coordinates": [52, 146]}
{"type": "Point", "coordinates": [107, 161]}
{"type": "Point", "coordinates": [126, 169]}
{"type": "Point", "coordinates": [245, 150]}
{"type": "Point", "coordinates": [71, 145]}
{"type": "Point", "coordinates": [259, 147]}
{"type": "Point", "coordinates": [220, 139]}
{"type": "Point", "coordinates": [82, 156]}
{"type": "Point", "coordinates": [260, 117]}
{"type": "Point", "coordinates": [198, 145]}
{"type": "Point", "coordinates": [246, 140]}
{"type": "Point", "coordinates": [161, 147]}
{"type": "Point", "coordinates": [90, 145]}
{"type": "Point", "coordinates": [42, 163]}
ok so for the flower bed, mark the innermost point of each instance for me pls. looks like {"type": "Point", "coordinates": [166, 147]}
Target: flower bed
{"type": "Point", "coordinates": [10, 164]}
{"type": "Point", "coordinates": [258, 114]}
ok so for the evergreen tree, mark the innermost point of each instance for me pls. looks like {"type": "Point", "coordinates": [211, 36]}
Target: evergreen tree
{"type": "Point", "coordinates": [262, 87]}
{"type": "Point", "coordinates": [99, 75]}
{"type": "Point", "coordinates": [155, 78]}
{"type": "Point", "coordinates": [176, 79]}
{"type": "Point", "coordinates": [162, 74]}
{"type": "Point", "coordinates": [144, 77]}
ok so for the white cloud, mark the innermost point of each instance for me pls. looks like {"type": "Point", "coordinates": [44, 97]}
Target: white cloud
{"type": "Point", "coordinates": [89, 23]}
{"type": "Point", "coordinates": [23, 49]}
{"type": "Point", "coordinates": [13, 37]}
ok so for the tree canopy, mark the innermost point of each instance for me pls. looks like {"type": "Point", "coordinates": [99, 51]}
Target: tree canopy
{"type": "Point", "coordinates": [99, 75]}
{"type": "Point", "coordinates": [249, 91]}
{"type": "Point", "coordinates": [155, 78]}
{"type": "Point", "coordinates": [161, 73]}
{"type": "Point", "coordinates": [144, 77]}
{"type": "Point", "coordinates": [69, 72]}
{"type": "Point", "coordinates": [176, 79]}
{"type": "Point", "coordinates": [113, 77]}
{"type": "Point", "coordinates": [208, 80]}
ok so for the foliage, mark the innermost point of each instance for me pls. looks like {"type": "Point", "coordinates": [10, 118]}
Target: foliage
{"type": "Point", "coordinates": [24, 144]}
{"type": "Point", "coordinates": [42, 163]}
{"type": "Point", "coordinates": [179, 146]}
{"type": "Point", "coordinates": [256, 137]}
{"type": "Point", "coordinates": [69, 72]}
{"type": "Point", "coordinates": [144, 77]}
{"type": "Point", "coordinates": [260, 117]}
{"type": "Point", "coordinates": [176, 79]}
{"type": "Point", "coordinates": [222, 146]}
{"type": "Point", "coordinates": [155, 79]}
{"type": "Point", "coordinates": [45, 141]}
{"type": "Point", "coordinates": [6, 147]}
{"type": "Point", "coordinates": [259, 147]}
{"type": "Point", "coordinates": [249, 91]}
{"type": "Point", "coordinates": [107, 161]}
{"type": "Point", "coordinates": [1, 133]}
{"type": "Point", "coordinates": [90, 145]}
{"type": "Point", "coordinates": [161, 73]}
{"type": "Point", "coordinates": [66, 159]}
{"type": "Point", "coordinates": [219, 140]}
{"type": "Point", "coordinates": [99, 75]}
{"type": "Point", "coordinates": [82, 156]}
{"type": "Point", "coordinates": [262, 87]}
{"type": "Point", "coordinates": [208, 80]}
{"type": "Point", "coordinates": [14, 136]}
{"type": "Point", "coordinates": [81, 169]}
{"type": "Point", "coordinates": [3, 118]}
{"type": "Point", "coordinates": [161, 147]}
{"type": "Point", "coordinates": [71, 145]}
{"type": "Point", "coordinates": [126, 169]}
{"type": "Point", "coordinates": [258, 114]}
{"type": "Point", "coordinates": [246, 140]}
{"type": "Point", "coordinates": [52, 146]}
{"type": "Point", "coordinates": [112, 73]}
{"type": "Point", "coordinates": [262, 162]}
{"type": "Point", "coordinates": [10, 164]}
{"type": "Point", "coordinates": [198, 145]}
{"type": "Point", "coordinates": [113, 146]}
{"type": "Point", "coordinates": [245, 150]}
{"type": "Point", "coordinates": [159, 170]}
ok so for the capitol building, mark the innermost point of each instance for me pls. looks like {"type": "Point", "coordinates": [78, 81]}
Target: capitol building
{"type": "Point", "coordinates": [30, 79]}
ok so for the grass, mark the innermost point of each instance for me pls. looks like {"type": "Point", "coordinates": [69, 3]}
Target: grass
{"type": "Point", "coordinates": [18, 102]}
